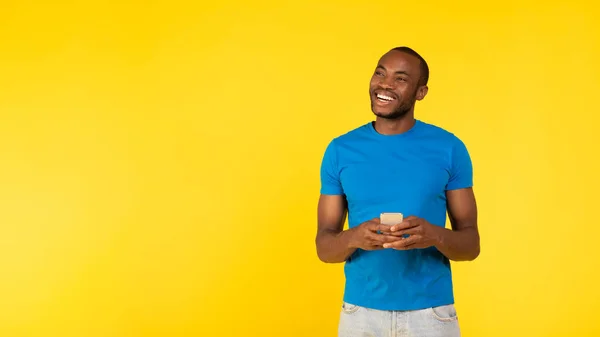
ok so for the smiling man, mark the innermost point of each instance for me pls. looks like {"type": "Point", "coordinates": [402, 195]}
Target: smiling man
{"type": "Point", "coordinates": [398, 277]}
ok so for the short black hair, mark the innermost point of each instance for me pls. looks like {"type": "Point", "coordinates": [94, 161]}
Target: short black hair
{"type": "Point", "coordinates": [424, 67]}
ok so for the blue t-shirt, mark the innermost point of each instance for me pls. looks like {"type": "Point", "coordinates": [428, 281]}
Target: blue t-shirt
{"type": "Point", "coordinates": [407, 173]}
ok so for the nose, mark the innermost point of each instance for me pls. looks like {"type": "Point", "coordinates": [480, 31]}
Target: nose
{"type": "Point", "coordinates": [386, 83]}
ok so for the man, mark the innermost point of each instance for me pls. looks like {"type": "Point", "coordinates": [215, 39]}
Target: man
{"type": "Point", "coordinates": [398, 277]}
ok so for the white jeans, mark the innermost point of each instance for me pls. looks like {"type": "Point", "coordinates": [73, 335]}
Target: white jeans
{"type": "Point", "coordinates": [356, 321]}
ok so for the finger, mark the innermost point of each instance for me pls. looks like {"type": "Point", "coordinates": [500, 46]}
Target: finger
{"type": "Point", "coordinates": [402, 243]}
{"type": "Point", "coordinates": [417, 245]}
{"type": "Point", "coordinates": [409, 231]}
{"type": "Point", "coordinates": [382, 228]}
{"type": "Point", "coordinates": [373, 224]}
{"type": "Point", "coordinates": [373, 244]}
{"type": "Point", "coordinates": [374, 247]}
{"type": "Point", "coordinates": [408, 247]}
{"type": "Point", "coordinates": [382, 238]}
{"type": "Point", "coordinates": [407, 223]}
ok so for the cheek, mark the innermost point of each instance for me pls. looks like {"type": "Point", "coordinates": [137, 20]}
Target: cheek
{"type": "Point", "coordinates": [404, 91]}
{"type": "Point", "coordinates": [401, 94]}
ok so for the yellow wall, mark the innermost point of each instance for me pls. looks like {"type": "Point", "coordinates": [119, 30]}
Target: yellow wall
{"type": "Point", "coordinates": [159, 163]}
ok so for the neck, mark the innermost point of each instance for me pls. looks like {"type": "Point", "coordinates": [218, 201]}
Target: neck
{"type": "Point", "coordinates": [394, 126]}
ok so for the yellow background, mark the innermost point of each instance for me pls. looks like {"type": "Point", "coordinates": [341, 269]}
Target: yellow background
{"type": "Point", "coordinates": [159, 160]}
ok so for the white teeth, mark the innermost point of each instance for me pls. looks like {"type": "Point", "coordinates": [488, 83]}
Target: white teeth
{"type": "Point", "coordinates": [387, 98]}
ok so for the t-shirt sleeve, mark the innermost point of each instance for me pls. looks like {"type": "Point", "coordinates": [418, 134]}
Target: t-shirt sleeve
{"type": "Point", "coordinates": [461, 167]}
{"type": "Point", "coordinates": [330, 177]}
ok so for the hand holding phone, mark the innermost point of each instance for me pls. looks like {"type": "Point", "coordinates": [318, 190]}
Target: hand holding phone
{"type": "Point", "coordinates": [391, 218]}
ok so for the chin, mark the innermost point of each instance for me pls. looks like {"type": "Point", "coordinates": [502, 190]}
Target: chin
{"type": "Point", "coordinates": [391, 115]}
{"type": "Point", "coordinates": [387, 116]}
{"type": "Point", "coordinates": [384, 113]}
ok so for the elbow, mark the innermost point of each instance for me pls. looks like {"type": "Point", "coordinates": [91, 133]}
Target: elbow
{"type": "Point", "coordinates": [331, 261]}
{"type": "Point", "coordinates": [321, 252]}
{"type": "Point", "coordinates": [474, 253]}
{"type": "Point", "coordinates": [475, 250]}
{"type": "Point", "coordinates": [466, 255]}
{"type": "Point", "coordinates": [328, 251]}
{"type": "Point", "coordinates": [324, 257]}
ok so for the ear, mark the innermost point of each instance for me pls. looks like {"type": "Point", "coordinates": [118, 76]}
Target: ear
{"type": "Point", "coordinates": [422, 92]}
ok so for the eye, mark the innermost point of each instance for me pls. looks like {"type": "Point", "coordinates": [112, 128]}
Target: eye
{"type": "Point", "coordinates": [378, 73]}
{"type": "Point", "coordinates": [402, 79]}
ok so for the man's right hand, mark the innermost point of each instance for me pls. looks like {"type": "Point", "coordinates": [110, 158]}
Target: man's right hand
{"type": "Point", "coordinates": [370, 235]}
{"type": "Point", "coordinates": [334, 244]}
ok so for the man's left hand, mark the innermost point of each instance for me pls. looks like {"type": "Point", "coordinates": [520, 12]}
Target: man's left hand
{"type": "Point", "coordinates": [421, 234]}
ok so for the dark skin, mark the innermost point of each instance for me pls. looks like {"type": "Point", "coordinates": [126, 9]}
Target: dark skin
{"type": "Point", "coordinates": [397, 77]}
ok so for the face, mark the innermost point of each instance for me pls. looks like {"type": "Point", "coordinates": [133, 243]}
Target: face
{"type": "Point", "coordinates": [394, 87]}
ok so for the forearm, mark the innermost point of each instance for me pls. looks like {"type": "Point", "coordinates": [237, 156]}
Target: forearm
{"type": "Point", "coordinates": [334, 246]}
{"type": "Point", "coordinates": [458, 245]}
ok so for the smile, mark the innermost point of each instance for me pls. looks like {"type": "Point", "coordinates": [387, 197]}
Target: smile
{"type": "Point", "coordinates": [384, 98]}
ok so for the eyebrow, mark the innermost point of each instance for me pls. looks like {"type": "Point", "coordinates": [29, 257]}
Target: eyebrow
{"type": "Point", "coordinates": [399, 72]}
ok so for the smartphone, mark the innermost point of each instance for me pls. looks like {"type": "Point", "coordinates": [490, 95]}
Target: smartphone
{"type": "Point", "coordinates": [391, 218]}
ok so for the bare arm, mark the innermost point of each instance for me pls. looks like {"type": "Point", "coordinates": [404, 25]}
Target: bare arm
{"type": "Point", "coordinates": [333, 243]}
{"type": "Point", "coordinates": [462, 242]}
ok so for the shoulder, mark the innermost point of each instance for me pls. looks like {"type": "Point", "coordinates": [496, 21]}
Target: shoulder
{"type": "Point", "coordinates": [339, 144]}
{"type": "Point", "coordinates": [457, 154]}
{"type": "Point", "coordinates": [441, 135]}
